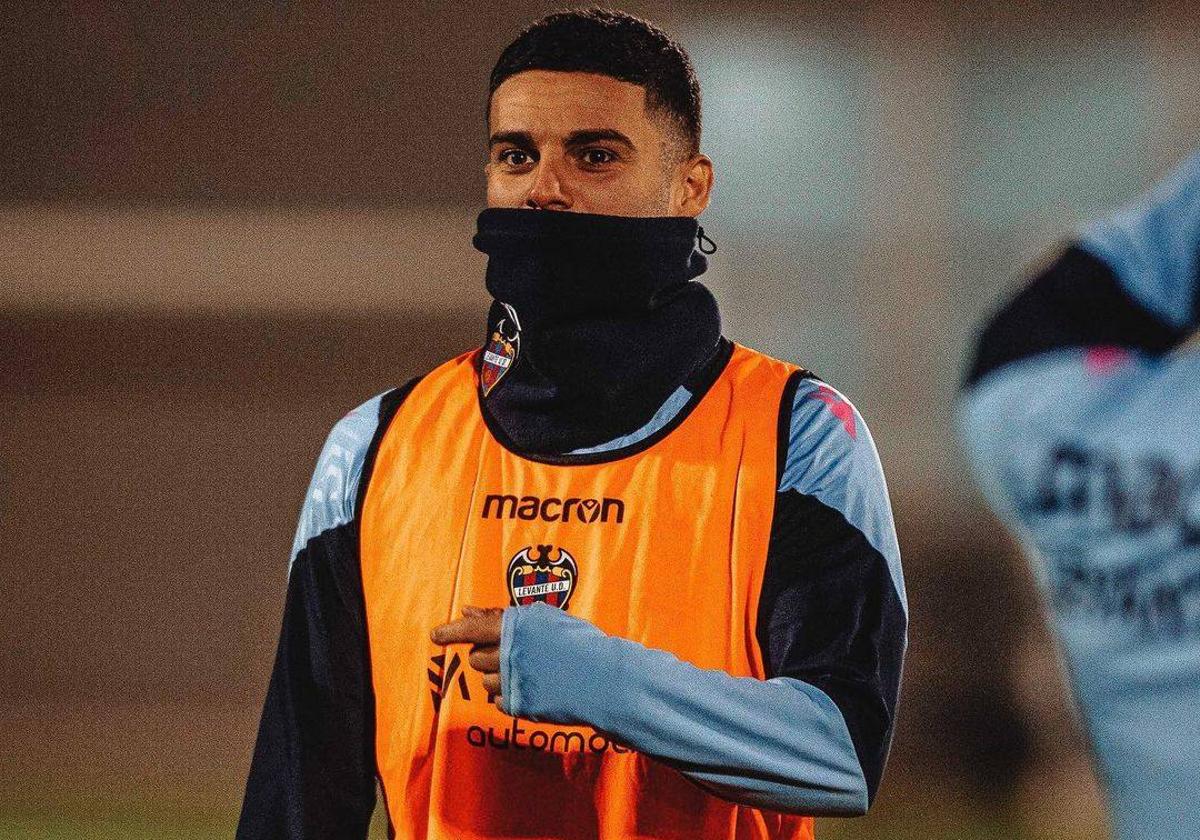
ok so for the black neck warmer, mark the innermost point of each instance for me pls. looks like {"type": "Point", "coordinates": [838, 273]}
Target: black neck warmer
{"type": "Point", "coordinates": [595, 323]}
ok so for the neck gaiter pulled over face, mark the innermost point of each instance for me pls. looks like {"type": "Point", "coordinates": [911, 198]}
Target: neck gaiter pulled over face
{"type": "Point", "coordinates": [595, 322]}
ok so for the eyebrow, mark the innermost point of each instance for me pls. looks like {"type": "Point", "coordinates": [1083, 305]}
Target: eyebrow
{"type": "Point", "coordinates": [520, 139]}
{"type": "Point", "coordinates": [597, 135]}
{"type": "Point", "coordinates": [582, 137]}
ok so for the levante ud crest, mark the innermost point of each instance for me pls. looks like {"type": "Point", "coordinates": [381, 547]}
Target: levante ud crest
{"type": "Point", "coordinates": [536, 573]}
{"type": "Point", "coordinates": [500, 354]}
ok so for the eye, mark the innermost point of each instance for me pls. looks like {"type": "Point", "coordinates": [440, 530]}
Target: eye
{"type": "Point", "coordinates": [597, 157]}
{"type": "Point", "coordinates": [514, 157]}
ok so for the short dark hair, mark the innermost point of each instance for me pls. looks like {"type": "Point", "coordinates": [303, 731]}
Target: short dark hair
{"type": "Point", "coordinates": [611, 43]}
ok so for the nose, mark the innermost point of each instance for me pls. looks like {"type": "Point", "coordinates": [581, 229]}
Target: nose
{"type": "Point", "coordinates": [547, 191]}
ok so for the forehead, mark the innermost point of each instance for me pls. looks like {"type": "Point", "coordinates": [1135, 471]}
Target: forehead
{"type": "Point", "coordinates": [553, 102]}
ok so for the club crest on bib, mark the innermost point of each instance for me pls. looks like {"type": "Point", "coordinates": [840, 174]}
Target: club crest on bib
{"type": "Point", "coordinates": [501, 351]}
{"type": "Point", "coordinates": [534, 575]}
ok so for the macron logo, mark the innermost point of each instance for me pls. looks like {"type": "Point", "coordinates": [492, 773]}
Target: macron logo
{"type": "Point", "coordinates": [553, 509]}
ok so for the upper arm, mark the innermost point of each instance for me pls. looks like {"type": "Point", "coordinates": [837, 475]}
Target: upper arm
{"type": "Point", "coordinates": [833, 612]}
{"type": "Point", "coordinates": [313, 771]}
{"type": "Point", "coordinates": [313, 768]}
{"type": "Point", "coordinates": [831, 456]}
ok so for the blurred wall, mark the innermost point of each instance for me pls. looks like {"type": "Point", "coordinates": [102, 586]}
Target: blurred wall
{"type": "Point", "coordinates": [223, 225]}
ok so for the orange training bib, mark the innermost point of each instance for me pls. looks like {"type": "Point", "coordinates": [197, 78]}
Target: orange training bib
{"type": "Point", "coordinates": [664, 546]}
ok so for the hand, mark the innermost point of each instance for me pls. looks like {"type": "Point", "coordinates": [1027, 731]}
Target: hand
{"type": "Point", "coordinates": [480, 628]}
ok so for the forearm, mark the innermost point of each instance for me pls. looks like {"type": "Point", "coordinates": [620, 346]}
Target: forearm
{"type": "Point", "coordinates": [780, 743]}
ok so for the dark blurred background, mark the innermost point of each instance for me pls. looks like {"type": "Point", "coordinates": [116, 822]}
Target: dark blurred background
{"type": "Point", "coordinates": [222, 225]}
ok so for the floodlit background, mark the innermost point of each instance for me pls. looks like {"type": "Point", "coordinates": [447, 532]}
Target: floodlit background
{"type": "Point", "coordinates": [224, 224]}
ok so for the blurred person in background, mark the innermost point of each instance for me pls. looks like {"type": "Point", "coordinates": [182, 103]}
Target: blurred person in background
{"type": "Point", "coordinates": [706, 617]}
{"type": "Point", "coordinates": [1081, 416]}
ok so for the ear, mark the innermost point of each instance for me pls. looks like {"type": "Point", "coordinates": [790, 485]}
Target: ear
{"type": "Point", "coordinates": [692, 187]}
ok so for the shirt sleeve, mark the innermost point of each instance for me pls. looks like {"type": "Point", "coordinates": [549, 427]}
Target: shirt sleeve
{"type": "Point", "coordinates": [834, 610]}
{"type": "Point", "coordinates": [313, 771]}
{"type": "Point", "coordinates": [811, 739]}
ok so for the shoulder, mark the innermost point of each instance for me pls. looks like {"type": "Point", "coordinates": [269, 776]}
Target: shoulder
{"type": "Point", "coordinates": [454, 374]}
{"type": "Point", "coordinates": [1150, 244]}
{"type": "Point", "coordinates": [754, 375]}
{"type": "Point", "coordinates": [1017, 421]}
{"type": "Point", "coordinates": [821, 435]}
{"type": "Point", "coordinates": [823, 440]}
{"type": "Point", "coordinates": [826, 439]}
{"type": "Point", "coordinates": [830, 456]}
{"type": "Point", "coordinates": [333, 491]}
{"type": "Point", "coordinates": [1036, 394]}
{"type": "Point", "coordinates": [350, 437]}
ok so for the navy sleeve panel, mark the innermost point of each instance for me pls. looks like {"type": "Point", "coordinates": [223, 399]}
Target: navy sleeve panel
{"type": "Point", "coordinates": [833, 611]}
{"type": "Point", "coordinates": [1131, 280]}
{"type": "Point", "coordinates": [830, 616]}
{"type": "Point", "coordinates": [313, 773]}
{"type": "Point", "coordinates": [1077, 302]}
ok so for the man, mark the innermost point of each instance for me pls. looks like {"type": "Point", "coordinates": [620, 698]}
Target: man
{"type": "Point", "coordinates": [610, 575]}
{"type": "Point", "coordinates": [1082, 418]}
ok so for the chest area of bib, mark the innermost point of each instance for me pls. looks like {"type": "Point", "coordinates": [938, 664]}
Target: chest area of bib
{"type": "Point", "coordinates": [653, 548]}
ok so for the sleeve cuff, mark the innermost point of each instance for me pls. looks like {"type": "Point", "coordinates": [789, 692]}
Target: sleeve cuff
{"type": "Point", "coordinates": [556, 668]}
{"type": "Point", "coordinates": [510, 687]}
